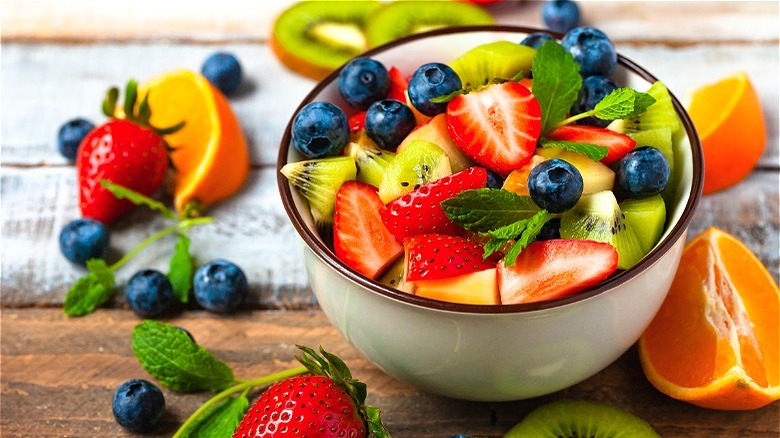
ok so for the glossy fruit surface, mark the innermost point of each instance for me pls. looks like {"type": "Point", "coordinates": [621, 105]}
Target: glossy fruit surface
{"type": "Point", "coordinates": [641, 173]}
{"type": "Point", "coordinates": [363, 81]}
{"type": "Point", "coordinates": [715, 342]}
{"type": "Point", "coordinates": [617, 144]}
{"type": "Point", "coordinates": [138, 405]}
{"type": "Point", "coordinates": [555, 185]}
{"type": "Point", "coordinates": [388, 122]}
{"type": "Point", "coordinates": [209, 153]}
{"type": "Point", "coordinates": [220, 286]}
{"type": "Point", "coordinates": [561, 15]}
{"type": "Point", "coordinates": [83, 239]}
{"type": "Point", "coordinates": [149, 293]}
{"type": "Point", "coordinates": [320, 129]}
{"type": "Point", "coordinates": [432, 80]}
{"type": "Point", "coordinates": [592, 50]}
{"type": "Point", "coordinates": [70, 135]}
{"type": "Point", "coordinates": [594, 88]}
{"type": "Point", "coordinates": [224, 71]}
{"type": "Point", "coordinates": [398, 85]}
{"type": "Point", "coordinates": [730, 121]}
{"type": "Point", "coordinates": [437, 256]}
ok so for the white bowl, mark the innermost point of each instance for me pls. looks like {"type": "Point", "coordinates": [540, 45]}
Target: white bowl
{"type": "Point", "coordinates": [492, 353]}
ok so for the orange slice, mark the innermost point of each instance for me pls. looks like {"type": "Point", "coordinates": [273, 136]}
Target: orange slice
{"type": "Point", "coordinates": [730, 123]}
{"type": "Point", "coordinates": [210, 154]}
{"type": "Point", "coordinates": [715, 340]}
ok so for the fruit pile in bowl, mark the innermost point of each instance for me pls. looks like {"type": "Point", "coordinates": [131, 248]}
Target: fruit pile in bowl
{"type": "Point", "coordinates": [487, 219]}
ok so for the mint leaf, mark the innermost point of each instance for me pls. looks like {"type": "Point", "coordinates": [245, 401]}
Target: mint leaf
{"type": "Point", "coordinates": [488, 209]}
{"type": "Point", "coordinates": [528, 235]}
{"type": "Point", "coordinates": [492, 246]}
{"type": "Point", "coordinates": [508, 231]}
{"type": "Point", "coordinates": [122, 192]}
{"type": "Point", "coordinates": [557, 82]}
{"type": "Point", "coordinates": [622, 103]}
{"type": "Point", "coordinates": [592, 151]}
{"type": "Point", "coordinates": [90, 291]}
{"type": "Point", "coordinates": [444, 98]}
{"type": "Point", "coordinates": [180, 269]}
{"type": "Point", "coordinates": [180, 364]}
{"type": "Point", "coordinates": [220, 421]}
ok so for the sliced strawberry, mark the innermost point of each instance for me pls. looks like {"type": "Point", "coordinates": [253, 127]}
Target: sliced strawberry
{"type": "Point", "coordinates": [497, 126]}
{"type": "Point", "coordinates": [359, 237]}
{"type": "Point", "coordinates": [555, 268]}
{"type": "Point", "coordinates": [420, 212]}
{"type": "Point", "coordinates": [357, 122]}
{"type": "Point", "coordinates": [617, 144]}
{"type": "Point", "coordinates": [432, 256]}
{"type": "Point", "coordinates": [398, 85]}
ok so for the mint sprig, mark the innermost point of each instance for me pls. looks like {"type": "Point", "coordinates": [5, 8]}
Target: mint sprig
{"type": "Point", "coordinates": [592, 151]}
{"type": "Point", "coordinates": [483, 210]}
{"type": "Point", "coordinates": [557, 83]}
{"type": "Point", "coordinates": [220, 421]}
{"type": "Point", "coordinates": [621, 103]}
{"type": "Point", "coordinates": [527, 236]}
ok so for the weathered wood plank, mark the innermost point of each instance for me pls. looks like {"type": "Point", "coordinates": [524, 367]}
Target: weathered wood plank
{"type": "Point", "coordinates": [233, 20]}
{"type": "Point", "coordinates": [252, 229]}
{"type": "Point", "coordinates": [45, 85]}
{"type": "Point", "coordinates": [48, 358]}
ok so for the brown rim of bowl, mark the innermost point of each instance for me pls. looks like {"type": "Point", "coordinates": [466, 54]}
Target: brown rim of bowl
{"type": "Point", "coordinates": [327, 256]}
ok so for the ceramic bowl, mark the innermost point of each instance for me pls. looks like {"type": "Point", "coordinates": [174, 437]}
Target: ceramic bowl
{"type": "Point", "coordinates": [492, 353]}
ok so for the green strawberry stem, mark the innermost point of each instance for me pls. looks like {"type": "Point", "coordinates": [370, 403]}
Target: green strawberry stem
{"type": "Point", "coordinates": [245, 386]}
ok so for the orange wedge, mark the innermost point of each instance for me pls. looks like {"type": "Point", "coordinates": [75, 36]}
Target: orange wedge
{"type": "Point", "coordinates": [715, 340]}
{"type": "Point", "coordinates": [730, 123]}
{"type": "Point", "coordinates": [210, 155]}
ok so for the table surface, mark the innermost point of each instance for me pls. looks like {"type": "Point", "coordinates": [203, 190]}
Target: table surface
{"type": "Point", "coordinates": [59, 373]}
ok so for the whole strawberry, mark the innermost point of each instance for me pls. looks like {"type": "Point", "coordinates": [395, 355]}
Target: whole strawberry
{"type": "Point", "coordinates": [326, 403]}
{"type": "Point", "coordinates": [129, 152]}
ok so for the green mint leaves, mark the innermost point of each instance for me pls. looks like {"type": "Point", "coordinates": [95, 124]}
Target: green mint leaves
{"type": "Point", "coordinates": [557, 83]}
{"type": "Point", "coordinates": [592, 151]}
{"type": "Point", "coordinates": [622, 103]}
{"type": "Point", "coordinates": [180, 270]}
{"type": "Point", "coordinates": [90, 291]}
{"type": "Point", "coordinates": [220, 421]}
{"type": "Point", "coordinates": [180, 364]}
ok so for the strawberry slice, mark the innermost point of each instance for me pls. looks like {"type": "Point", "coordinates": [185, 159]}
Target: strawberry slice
{"type": "Point", "coordinates": [359, 237]}
{"type": "Point", "coordinates": [497, 126]}
{"type": "Point", "coordinates": [398, 85]}
{"type": "Point", "coordinates": [617, 144]}
{"type": "Point", "coordinates": [555, 268]}
{"type": "Point", "coordinates": [434, 256]}
{"type": "Point", "coordinates": [357, 122]}
{"type": "Point", "coordinates": [420, 212]}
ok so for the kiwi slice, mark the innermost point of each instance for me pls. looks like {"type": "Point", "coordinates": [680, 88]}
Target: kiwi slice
{"type": "Point", "coordinates": [372, 161]}
{"type": "Point", "coordinates": [401, 18]}
{"type": "Point", "coordinates": [659, 115]}
{"type": "Point", "coordinates": [647, 218]}
{"type": "Point", "coordinates": [319, 180]}
{"type": "Point", "coordinates": [659, 138]}
{"type": "Point", "coordinates": [314, 38]}
{"type": "Point", "coordinates": [580, 418]}
{"type": "Point", "coordinates": [395, 277]}
{"type": "Point", "coordinates": [597, 216]}
{"type": "Point", "coordinates": [496, 60]}
{"type": "Point", "coordinates": [419, 163]}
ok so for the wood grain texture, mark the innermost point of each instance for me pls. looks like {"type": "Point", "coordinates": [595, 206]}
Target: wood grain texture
{"type": "Point", "coordinates": [48, 359]}
{"type": "Point", "coordinates": [231, 20]}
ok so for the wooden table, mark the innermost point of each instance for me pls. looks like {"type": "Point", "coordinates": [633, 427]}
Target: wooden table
{"type": "Point", "coordinates": [59, 373]}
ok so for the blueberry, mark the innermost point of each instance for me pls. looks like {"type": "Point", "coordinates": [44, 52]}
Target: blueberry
{"type": "Point", "coordinates": [550, 230]}
{"type": "Point", "coordinates": [220, 286]}
{"type": "Point", "coordinates": [555, 185]}
{"type": "Point", "coordinates": [594, 88]}
{"type": "Point", "coordinates": [429, 81]}
{"type": "Point", "coordinates": [223, 70]}
{"type": "Point", "coordinates": [149, 293]}
{"type": "Point", "coordinates": [320, 129]}
{"type": "Point", "coordinates": [641, 173]}
{"type": "Point", "coordinates": [536, 39]}
{"type": "Point", "coordinates": [70, 135]}
{"type": "Point", "coordinates": [84, 239]}
{"type": "Point", "coordinates": [592, 50]}
{"type": "Point", "coordinates": [363, 81]}
{"type": "Point", "coordinates": [388, 122]}
{"type": "Point", "coordinates": [494, 180]}
{"type": "Point", "coordinates": [561, 15]}
{"type": "Point", "coordinates": [138, 405]}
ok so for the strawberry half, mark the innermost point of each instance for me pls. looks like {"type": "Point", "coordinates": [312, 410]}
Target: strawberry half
{"type": "Point", "coordinates": [359, 236]}
{"type": "Point", "coordinates": [433, 256]}
{"type": "Point", "coordinates": [617, 144]}
{"type": "Point", "coordinates": [398, 85]}
{"type": "Point", "coordinates": [497, 126]}
{"type": "Point", "coordinates": [555, 268]}
{"type": "Point", "coordinates": [420, 212]}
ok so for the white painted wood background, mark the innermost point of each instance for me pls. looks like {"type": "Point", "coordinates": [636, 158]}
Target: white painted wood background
{"type": "Point", "coordinates": [56, 61]}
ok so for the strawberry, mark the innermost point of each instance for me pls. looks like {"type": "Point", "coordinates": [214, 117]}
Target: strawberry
{"type": "Point", "coordinates": [617, 144]}
{"type": "Point", "coordinates": [326, 403]}
{"type": "Point", "coordinates": [555, 268]}
{"type": "Point", "coordinates": [420, 212]}
{"type": "Point", "coordinates": [357, 122]}
{"type": "Point", "coordinates": [359, 237]}
{"type": "Point", "coordinates": [435, 256]}
{"type": "Point", "coordinates": [129, 152]}
{"type": "Point", "coordinates": [398, 85]}
{"type": "Point", "coordinates": [498, 126]}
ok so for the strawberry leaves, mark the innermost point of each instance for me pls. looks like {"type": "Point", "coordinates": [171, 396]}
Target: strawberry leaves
{"type": "Point", "coordinates": [140, 116]}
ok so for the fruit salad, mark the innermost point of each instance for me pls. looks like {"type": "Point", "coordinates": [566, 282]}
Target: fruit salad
{"type": "Point", "coordinates": [517, 172]}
